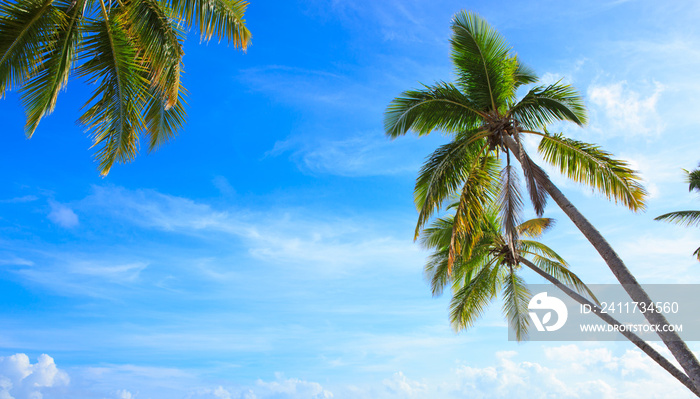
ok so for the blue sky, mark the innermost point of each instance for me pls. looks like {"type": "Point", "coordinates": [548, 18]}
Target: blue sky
{"type": "Point", "coordinates": [267, 251]}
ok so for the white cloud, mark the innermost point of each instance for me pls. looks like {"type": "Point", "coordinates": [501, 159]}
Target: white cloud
{"type": "Point", "coordinates": [625, 111]}
{"type": "Point", "coordinates": [402, 386]}
{"type": "Point", "coordinates": [20, 379]}
{"type": "Point", "coordinates": [359, 155]}
{"type": "Point", "coordinates": [291, 388]}
{"type": "Point", "coordinates": [62, 215]}
{"type": "Point", "coordinates": [124, 394]}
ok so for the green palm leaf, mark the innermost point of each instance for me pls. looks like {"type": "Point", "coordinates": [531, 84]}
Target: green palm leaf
{"type": "Point", "coordinates": [441, 106]}
{"type": "Point", "coordinates": [150, 23]}
{"type": "Point", "coordinates": [483, 65]}
{"type": "Point", "coordinates": [113, 116]}
{"type": "Point", "coordinates": [588, 164]}
{"type": "Point", "coordinates": [25, 28]}
{"type": "Point", "coordinates": [516, 297]}
{"type": "Point", "coordinates": [470, 300]}
{"type": "Point", "coordinates": [683, 218]}
{"type": "Point", "coordinates": [445, 171]}
{"type": "Point", "coordinates": [544, 105]}
{"type": "Point", "coordinates": [40, 93]}
{"type": "Point", "coordinates": [534, 228]}
{"type": "Point", "coordinates": [223, 18]}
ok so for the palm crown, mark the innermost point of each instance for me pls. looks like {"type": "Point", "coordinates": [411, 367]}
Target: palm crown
{"type": "Point", "coordinates": [488, 268]}
{"type": "Point", "coordinates": [686, 218]}
{"type": "Point", "coordinates": [131, 49]}
{"type": "Point", "coordinates": [482, 112]}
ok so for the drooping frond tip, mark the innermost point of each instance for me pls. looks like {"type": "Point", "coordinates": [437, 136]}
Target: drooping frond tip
{"type": "Point", "coordinates": [589, 164]}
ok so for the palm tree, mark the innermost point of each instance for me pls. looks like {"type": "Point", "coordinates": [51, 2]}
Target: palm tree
{"type": "Point", "coordinates": [131, 49]}
{"type": "Point", "coordinates": [686, 218]}
{"type": "Point", "coordinates": [487, 267]}
{"type": "Point", "coordinates": [484, 116]}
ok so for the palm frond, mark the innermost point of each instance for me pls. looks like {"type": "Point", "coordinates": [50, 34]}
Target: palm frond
{"type": "Point", "coordinates": [544, 105]}
{"type": "Point", "coordinates": [441, 106]}
{"type": "Point", "coordinates": [26, 27]}
{"type": "Point", "coordinates": [472, 296]}
{"type": "Point", "coordinates": [588, 164]}
{"type": "Point", "coordinates": [510, 205]}
{"type": "Point", "coordinates": [477, 193]}
{"type": "Point", "coordinates": [516, 297]}
{"type": "Point", "coordinates": [534, 228]}
{"type": "Point", "coordinates": [221, 18]}
{"type": "Point", "coordinates": [160, 39]}
{"type": "Point", "coordinates": [40, 93]}
{"type": "Point", "coordinates": [683, 218]}
{"type": "Point", "coordinates": [535, 177]}
{"type": "Point", "coordinates": [441, 176]}
{"type": "Point", "coordinates": [484, 68]}
{"type": "Point", "coordinates": [113, 115]}
{"type": "Point", "coordinates": [524, 75]}
{"type": "Point", "coordinates": [693, 180]}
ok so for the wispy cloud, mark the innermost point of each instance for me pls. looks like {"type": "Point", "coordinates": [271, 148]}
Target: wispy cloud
{"type": "Point", "coordinates": [62, 215]}
{"type": "Point", "coordinates": [622, 111]}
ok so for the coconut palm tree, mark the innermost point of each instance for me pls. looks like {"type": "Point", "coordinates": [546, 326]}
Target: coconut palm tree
{"type": "Point", "coordinates": [130, 49]}
{"type": "Point", "coordinates": [486, 268]}
{"type": "Point", "coordinates": [485, 117]}
{"type": "Point", "coordinates": [686, 218]}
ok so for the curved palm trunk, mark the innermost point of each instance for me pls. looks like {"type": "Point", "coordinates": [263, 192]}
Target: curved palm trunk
{"type": "Point", "coordinates": [672, 340]}
{"type": "Point", "coordinates": [634, 338]}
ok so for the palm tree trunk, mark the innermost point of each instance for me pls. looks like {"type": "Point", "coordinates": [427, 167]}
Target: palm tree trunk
{"type": "Point", "coordinates": [672, 340]}
{"type": "Point", "coordinates": [634, 338]}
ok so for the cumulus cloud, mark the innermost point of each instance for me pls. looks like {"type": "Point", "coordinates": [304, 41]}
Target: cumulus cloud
{"type": "Point", "coordinates": [20, 379]}
{"type": "Point", "coordinates": [404, 387]}
{"type": "Point", "coordinates": [62, 215]}
{"type": "Point", "coordinates": [291, 388]}
{"type": "Point", "coordinates": [626, 111]}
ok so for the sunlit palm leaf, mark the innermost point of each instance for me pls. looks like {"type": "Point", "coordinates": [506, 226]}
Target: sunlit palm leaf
{"type": "Point", "coordinates": [588, 164]}
{"type": "Point", "coordinates": [25, 29]}
{"type": "Point", "coordinates": [442, 175]}
{"type": "Point", "coordinates": [683, 218]}
{"type": "Point", "coordinates": [544, 105]}
{"type": "Point", "coordinates": [441, 106]}
{"type": "Point", "coordinates": [534, 228]}
{"type": "Point", "coordinates": [510, 205]}
{"type": "Point", "coordinates": [223, 18]}
{"type": "Point", "coordinates": [478, 192]}
{"type": "Point", "coordinates": [113, 116]}
{"type": "Point", "coordinates": [484, 68]}
{"type": "Point", "coordinates": [160, 40]}
{"type": "Point", "coordinates": [516, 297]}
{"type": "Point", "coordinates": [40, 93]}
{"type": "Point", "coordinates": [535, 177]}
{"type": "Point", "coordinates": [471, 299]}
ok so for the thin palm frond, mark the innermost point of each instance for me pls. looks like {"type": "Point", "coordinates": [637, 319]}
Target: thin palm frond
{"type": "Point", "coordinates": [470, 300]}
{"type": "Point", "coordinates": [113, 115]}
{"type": "Point", "coordinates": [221, 18]}
{"type": "Point", "coordinates": [516, 297]}
{"type": "Point", "coordinates": [441, 106]}
{"type": "Point", "coordinates": [534, 228]}
{"type": "Point", "coordinates": [683, 218]}
{"type": "Point", "coordinates": [442, 175]}
{"type": "Point", "coordinates": [484, 67]}
{"type": "Point", "coordinates": [26, 27]}
{"type": "Point", "coordinates": [544, 105]}
{"type": "Point", "coordinates": [535, 177]}
{"type": "Point", "coordinates": [40, 93]}
{"type": "Point", "coordinates": [510, 205]}
{"type": "Point", "coordinates": [588, 164]}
